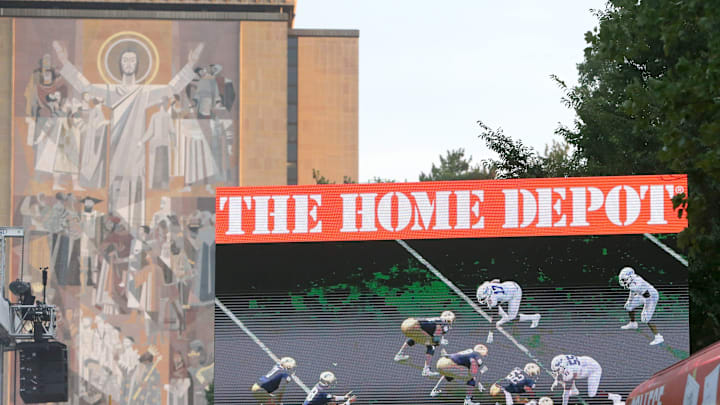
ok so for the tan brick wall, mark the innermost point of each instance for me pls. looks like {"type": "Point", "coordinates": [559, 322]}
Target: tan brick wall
{"type": "Point", "coordinates": [6, 44]}
{"type": "Point", "coordinates": [327, 108]}
{"type": "Point", "coordinates": [263, 103]}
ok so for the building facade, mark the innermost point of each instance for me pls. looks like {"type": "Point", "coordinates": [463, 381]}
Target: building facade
{"type": "Point", "coordinates": [117, 122]}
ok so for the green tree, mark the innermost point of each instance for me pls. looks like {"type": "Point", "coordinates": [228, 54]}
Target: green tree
{"type": "Point", "coordinates": [516, 160]}
{"type": "Point", "coordinates": [455, 166]}
{"type": "Point", "coordinates": [648, 101]}
{"type": "Point", "coordinates": [378, 179]}
{"type": "Point", "coordinates": [320, 179]}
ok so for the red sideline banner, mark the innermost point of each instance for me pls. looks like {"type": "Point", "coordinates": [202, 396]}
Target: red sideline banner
{"type": "Point", "coordinates": [450, 209]}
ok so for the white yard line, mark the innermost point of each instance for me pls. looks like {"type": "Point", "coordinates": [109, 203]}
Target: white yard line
{"type": "Point", "coordinates": [667, 249]}
{"type": "Point", "coordinates": [258, 342]}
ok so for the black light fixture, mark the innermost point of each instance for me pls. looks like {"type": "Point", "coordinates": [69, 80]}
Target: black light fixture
{"type": "Point", "coordinates": [19, 287]}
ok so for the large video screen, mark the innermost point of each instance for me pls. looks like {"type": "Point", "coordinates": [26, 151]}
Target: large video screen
{"type": "Point", "coordinates": [581, 318]}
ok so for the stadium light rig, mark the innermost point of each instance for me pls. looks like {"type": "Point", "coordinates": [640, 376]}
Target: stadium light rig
{"type": "Point", "coordinates": [31, 319]}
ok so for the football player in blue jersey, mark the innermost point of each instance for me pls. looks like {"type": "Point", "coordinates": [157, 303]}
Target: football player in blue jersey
{"type": "Point", "coordinates": [267, 389]}
{"type": "Point", "coordinates": [427, 332]}
{"type": "Point", "coordinates": [319, 395]}
{"type": "Point", "coordinates": [462, 365]}
{"type": "Point", "coordinates": [517, 384]}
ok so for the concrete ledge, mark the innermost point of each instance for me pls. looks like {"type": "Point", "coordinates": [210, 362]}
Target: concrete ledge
{"type": "Point", "coordinates": [144, 14]}
{"type": "Point", "coordinates": [323, 33]}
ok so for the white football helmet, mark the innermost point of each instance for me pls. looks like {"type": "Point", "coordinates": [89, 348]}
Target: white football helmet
{"type": "Point", "coordinates": [327, 378]}
{"type": "Point", "coordinates": [481, 349]}
{"type": "Point", "coordinates": [626, 276]}
{"type": "Point", "coordinates": [484, 292]}
{"type": "Point", "coordinates": [532, 369]}
{"type": "Point", "coordinates": [558, 364]}
{"type": "Point", "coordinates": [545, 401]}
{"type": "Point", "coordinates": [288, 363]}
{"type": "Point", "coordinates": [448, 316]}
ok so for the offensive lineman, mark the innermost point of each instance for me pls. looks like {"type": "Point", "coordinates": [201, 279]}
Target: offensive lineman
{"type": "Point", "coordinates": [641, 293]}
{"type": "Point", "coordinates": [519, 381]}
{"type": "Point", "coordinates": [495, 292]}
{"type": "Point", "coordinates": [319, 395]}
{"type": "Point", "coordinates": [462, 365]}
{"type": "Point", "coordinates": [266, 390]}
{"type": "Point", "coordinates": [428, 332]}
{"type": "Point", "coordinates": [568, 368]}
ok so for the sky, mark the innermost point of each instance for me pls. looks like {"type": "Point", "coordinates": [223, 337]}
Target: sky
{"type": "Point", "coordinates": [429, 70]}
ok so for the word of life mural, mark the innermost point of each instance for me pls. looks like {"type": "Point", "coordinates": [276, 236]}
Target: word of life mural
{"type": "Point", "coordinates": [122, 131]}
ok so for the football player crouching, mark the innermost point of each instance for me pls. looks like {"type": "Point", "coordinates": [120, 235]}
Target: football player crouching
{"type": "Point", "coordinates": [462, 365]}
{"type": "Point", "coordinates": [427, 332]}
{"type": "Point", "coordinates": [319, 395]}
{"type": "Point", "coordinates": [493, 293]}
{"type": "Point", "coordinates": [567, 369]}
{"type": "Point", "coordinates": [267, 390]}
{"type": "Point", "coordinates": [518, 383]}
{"type": "Point", "coordinates": [641, 293]}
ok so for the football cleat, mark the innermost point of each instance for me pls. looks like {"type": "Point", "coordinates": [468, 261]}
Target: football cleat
{"type": "Point", "coordinates": [574, 391]}
{"type": "Point", "coordinates": [428, 373]}
{"type": "Point", "coordinates": [658, 339]}
{"type": "Point", "coordinates": [535, 321]}
{"type": "Point", "coordinates": [435, 392]}
{"type": "Point", "coordinates": [469, 401]}
{"type": "Point", "coordinates": [489, 338]}
{"type": "Point", "coordinates": [630, 325]}
{"type": "Point", "coordinates": [401, 357]}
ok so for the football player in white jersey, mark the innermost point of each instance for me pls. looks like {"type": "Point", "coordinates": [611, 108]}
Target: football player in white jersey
{"type": "Point", "coordinates": [495, 292]}
{"type": "Point", "coordinates": [641, 293]}
{"type": "Point", "coordinates": [567, 368]}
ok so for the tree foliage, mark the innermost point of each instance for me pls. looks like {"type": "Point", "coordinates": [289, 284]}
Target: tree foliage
{"type": "Point", "coordinates": [455, 166]}
{"type": "Point", "coordinates": [516, 160]}
{"type": "Point", "coordinates": [320, 179]}
{"type": "Point", "coordinates": [378, 179]}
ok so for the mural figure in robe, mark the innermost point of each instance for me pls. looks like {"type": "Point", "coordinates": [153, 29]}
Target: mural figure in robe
{"type": "Point", "coordinates": [128, 102]}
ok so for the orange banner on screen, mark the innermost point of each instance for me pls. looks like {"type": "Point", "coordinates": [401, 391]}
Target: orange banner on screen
{"type": "Point", "coordinates": [450, 209]}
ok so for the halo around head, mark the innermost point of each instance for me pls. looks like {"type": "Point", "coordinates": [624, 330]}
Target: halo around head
{"type": "Point", "coordinates": [115, 45]}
